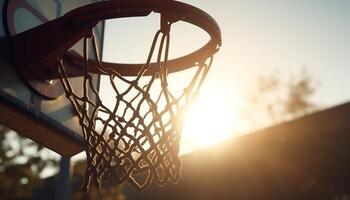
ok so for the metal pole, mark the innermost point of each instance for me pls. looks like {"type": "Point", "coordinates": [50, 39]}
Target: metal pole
{"type": "Point", "coordinates": [63, 183]}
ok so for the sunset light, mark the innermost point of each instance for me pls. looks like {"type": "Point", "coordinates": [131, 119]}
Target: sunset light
{"type": "Point", "coordinates": [174, 99]}
{"type": "Point", "coordinates": [210, 120]}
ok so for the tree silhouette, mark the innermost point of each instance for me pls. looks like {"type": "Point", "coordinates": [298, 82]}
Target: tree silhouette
{"type": "Point", "coordinates": [274, 100]}
{"type": "Point", "coordinates": [298, 101]}
{"type": "Point", "coordinates": [21, 163]}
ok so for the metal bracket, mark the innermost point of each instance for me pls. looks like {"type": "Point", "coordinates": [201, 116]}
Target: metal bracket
{"type": "Point", "coordinates": [36, 52]}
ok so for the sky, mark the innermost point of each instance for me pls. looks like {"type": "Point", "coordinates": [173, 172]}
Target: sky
{"type": "Point", "coordinates": [259, 38]}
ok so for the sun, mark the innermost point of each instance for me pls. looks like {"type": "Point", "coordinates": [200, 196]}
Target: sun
{"type": "Point", "coordinates": [210, 120]}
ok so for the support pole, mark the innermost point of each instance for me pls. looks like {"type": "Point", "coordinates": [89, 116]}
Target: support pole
{"type": "Point", "coordinates": [63, 182]}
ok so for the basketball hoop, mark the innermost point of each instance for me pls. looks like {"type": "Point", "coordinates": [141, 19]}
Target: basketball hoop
{"type": "Point", "coordinates": [136, 140]}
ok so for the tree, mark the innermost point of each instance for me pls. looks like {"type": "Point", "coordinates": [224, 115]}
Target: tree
{"type": "Point", "coordinates": [298, 101]}
{"type": "Point", "coordinates": [21, 163]}
{"type": "Point", "coordinates": [274, 100]}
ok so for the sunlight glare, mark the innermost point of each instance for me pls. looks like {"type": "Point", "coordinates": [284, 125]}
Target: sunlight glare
{"type": "Point", "coordinates": [210, 120]}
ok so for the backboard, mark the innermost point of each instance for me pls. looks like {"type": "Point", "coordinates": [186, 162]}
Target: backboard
{"type": "Point", "coordinates": [50, 122]}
